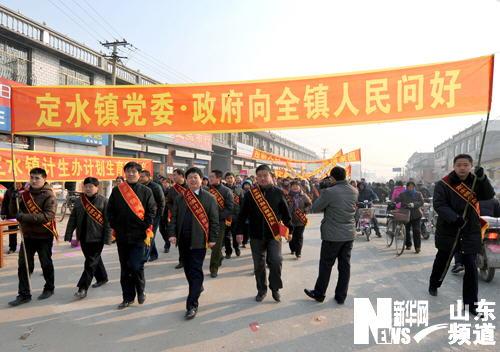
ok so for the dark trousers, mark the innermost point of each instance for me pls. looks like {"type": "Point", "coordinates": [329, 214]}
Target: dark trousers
{"type": "Point", "coordinates": [414, 226]}
{"type": "Point", "coordinates": [193, 269]}
{"type": "Point", "coordinates": [297, 240]}
{"type": "Point", "coordinates": [267, 251]}
{"type": "Point", "coordinates": [330, 251]}
{"type": "Point", "coordinates": [164, 229]}
{"type": "Point", "coordinates": [44, 249]}
{"type": "Point", "coordinates": [230, 239]}
{"type": "Point", "coordinates": [12, 239]}
{"type": "Point", "coordinates": [132, 277]}
{"type": "Point", "coordinates": [470, 281]}
{"type": "Point", "coordinates": [216, 256]}
{"type": "Point", "coordinates": [151, 252]}
{"type": "Point", "coordinates": [375, 225]}
{"type": "Point", "coordinates": [93, 267]}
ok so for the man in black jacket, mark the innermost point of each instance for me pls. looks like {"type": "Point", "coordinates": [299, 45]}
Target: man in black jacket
{"type": "Point", "coordinates": [131, 213]}
{"type": "Point", "coordinates": [230, 236]}
{"type": "Point", "coordinates": [224, 198]}
{"type": "Point", "coordinates": [92, 230]}
{"type": "Point", "coordinates": [193, 232]}
{"type": "Point", "coordinates": [173, 193]}
{"type": "Point", "coordinates": [8, 215]}
{"type": "Point", "coordinates": [449, 200]}
{"type": "Point", "coordinates": [151, 252]}
{"type": "Point", "coordinates": [266, 247]}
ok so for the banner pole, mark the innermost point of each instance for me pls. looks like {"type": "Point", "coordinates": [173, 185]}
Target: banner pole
{"type": "Point", "coordinates": [23, 244]}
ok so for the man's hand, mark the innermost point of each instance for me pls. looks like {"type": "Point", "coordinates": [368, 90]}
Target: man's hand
{"type": "Point", "coordinates": [411, 205]}
{"type": "Point", "coordinates": [19, 217]}
{"type": "Point", "coordinates": [172, 240]}
{"type": "Point", "coordinates": [289, 239]}
{"type": "Point", "coordinates": [211, 245]}
{"type": "Point", "coordinates": [239, 239]}
{"type": "Point", "coordinates": [479, 172]}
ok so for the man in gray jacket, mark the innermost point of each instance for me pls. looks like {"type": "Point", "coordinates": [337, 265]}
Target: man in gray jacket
{"type": "Point", "coordinates": [338, 203]}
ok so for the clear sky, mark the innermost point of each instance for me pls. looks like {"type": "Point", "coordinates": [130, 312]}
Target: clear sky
{"type": "Point", "coordinates": [204, 41]}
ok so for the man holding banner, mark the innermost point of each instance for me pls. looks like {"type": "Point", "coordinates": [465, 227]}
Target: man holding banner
{"type": "Point", "coordinates": [131, 213]}
{"type": "Point", "coordinates": [92, 230]}
{"type": "Point", "coordinates": [194, 227]}
{"type": "Point", "coordinates": [451, 195]}
{"type": "Point", "coordinates": [36, 214]}
{"type": "Point", "coordinates": [224, 198]}
{"type": "Point", "coordinates": [266, 209]}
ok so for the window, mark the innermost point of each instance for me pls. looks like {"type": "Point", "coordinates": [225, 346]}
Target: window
{"type": "Point", "coordinates": [14, 62]}
{"type": "Point", "coordinates": [470, 145]}
{"type": "Point", "coordinates": [73, 76]}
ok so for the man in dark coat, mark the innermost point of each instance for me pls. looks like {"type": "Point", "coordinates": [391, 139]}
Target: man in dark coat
{"type": "Point", "coordinates": [413, 200]}
{"type": "Point", "coordinates": [367, 193]}
{"type": "Point", "coordinates": [131, 213]}
{"type": "Point", "coordinates": [224, 198]}
{"type": "Point", "coordinates": [230, 237]}
{"type": "Point", "coordinates": [36, 214]}
{"type": "Point", "coordinates": [8, 215]}
{"type": "Point", "coordinates": [266, 248]}
{"type": "Point", "coordinates": [173, 193]}
{"type": "Point", "coordinates": [449, 205]}
{"type": "Point", "coordinates": [193, 238]}
{"type": "Point", "coordinates": [92, 230]}
{"type": "Point", "coordinates": [151, 252]}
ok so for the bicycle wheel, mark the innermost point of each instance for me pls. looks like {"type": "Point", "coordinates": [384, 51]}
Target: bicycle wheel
{"type": "Point", "coordinates": [366, 232]}
{"type": "Point", "coordinates": [64, 207]}
{"type": "Point", "coordinates": [400, 237]}
{"type": "Point", "coordinates": [389, 232]}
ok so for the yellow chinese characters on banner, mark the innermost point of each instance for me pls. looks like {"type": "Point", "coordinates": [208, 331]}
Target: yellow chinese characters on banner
{"type": "Point", "coordinates": [63, 167]}
{"type": "Point", "coordinates": [444, 89]}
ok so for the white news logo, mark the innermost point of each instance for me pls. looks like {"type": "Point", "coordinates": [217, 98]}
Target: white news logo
{"type": "Point", "coordinates": [393, 322]}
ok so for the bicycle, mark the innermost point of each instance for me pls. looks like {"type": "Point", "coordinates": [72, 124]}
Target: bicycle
{"type": "Point", "coordinates": [364, 216]}
{"type": "Point", "coordinates": [68, 204]}
{"type": "Point", "coordinates": [396, 229]}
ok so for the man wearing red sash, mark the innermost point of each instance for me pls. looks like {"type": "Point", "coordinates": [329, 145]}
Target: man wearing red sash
{"type": "Point", "coordinates": [230, 235]}
{"type": "Point", "coordinates": [173, 193]}
{"type": "Point", "coordinates": [265, 241]}
{"type": "Point", "coordinates": [93, 231]}
{"type": "Point", "coordinates": [299, 204]}
{"type": "Point", "coordinates": [194, 227]}
{"type": "Point", "coordinates": [131, 212]}
{"type": "Point", "coordinates": [451, 195]}
{"type": "Point", "coordinates": [36, 217]}
{"type": "Point", "coordinates": [224, 198]}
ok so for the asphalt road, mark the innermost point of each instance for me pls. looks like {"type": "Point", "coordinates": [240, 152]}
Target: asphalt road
{"type": "Point", "coordinates": [229, 319]}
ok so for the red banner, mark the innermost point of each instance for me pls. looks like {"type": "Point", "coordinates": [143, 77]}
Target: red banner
{"type": "Point", "coordinates": [64, 167]}
{"type": "Point", "coordinates": [407, 93]}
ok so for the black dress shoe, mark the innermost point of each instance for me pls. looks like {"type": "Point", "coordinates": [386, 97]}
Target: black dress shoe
{"type": "Point", "coordinates": [475, 313]}
{"type": "Point", "coordinates": [276, 295]}
{"type": "Point", "coordinates": [378, 234]}
{"type": "Point", "coordinates": [99, 283]}
{"type": "Point", "coordinates": [11, 251]}
{"type": "Point", "coordinates": [433, 291]}
{"type": "Point", "coordinates": [237, 251]}
{"type": "Point", "coordinates": [228, 256]}
{"type": "Point", "coordinates": [166, 250]}
{"type": "Point", "coordinates": [124, 304]}
{"type": "Point", "coordinates": [408, 248]}
{"type": "Point", "coordinates": [19, 300]}
{"type": "Point", "coordinates": [191, 313]}
{"type": "Point", "coordinates": [314, 295]}
{"type": "Point", "coordinates": [213, 274]}
{"type": "Point", "coordinates": [338, 300]}
{"type": "Point", "coordinates": [417, 250]}
{"type": "Point", "coordinates": [45, 294]}
{"type": "Point", "coordinates": [81, 293]}
{"type": "Point", "coordinates": [141, 298]}
{"type": "Point", "coordinates": [152, 259]}
{"type": "Point", "coordinates": [260, 296]}
{"type": "Point", "coordinates": [179, 266]}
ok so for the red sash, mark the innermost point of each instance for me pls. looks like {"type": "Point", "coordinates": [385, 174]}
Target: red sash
{"type": "Point", "coordinates": [220, 202]}
{"type": "Point", "coordinates": [218, 197]}
{"type": "Point", "coordinates": [34, 208]}
{"type": "Point", "coordinates": [469, 197]}
{"type": "Point", "coordinates": [299, 214]}
{"type": "Point", "coordinates": [178, 188]}
{"type": "Point", "coordinates": [277, 228]}
{"type": "Point", "coordinates": [136, 206]}
{"type": "Point", "coordinates": [236, 198]}
{"type": "Point", "coordinates": [197, 209]}
{"type": "Point", "coordinates": [94, 213]}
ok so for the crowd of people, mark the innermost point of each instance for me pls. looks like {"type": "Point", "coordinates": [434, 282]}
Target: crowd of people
{"type": "Point", "coordinates": [228, 212]}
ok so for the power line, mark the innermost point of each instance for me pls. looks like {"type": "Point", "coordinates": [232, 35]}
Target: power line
{"type": "Point", "coordinates": [96, 21]}
{"type": "Point", "coordinates": [102, 18]}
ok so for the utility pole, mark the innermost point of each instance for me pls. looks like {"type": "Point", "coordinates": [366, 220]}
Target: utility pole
{"type": "Point", "coordinates": [115, 58]}
{"type": "Point", "coordinates": [324, 152]}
